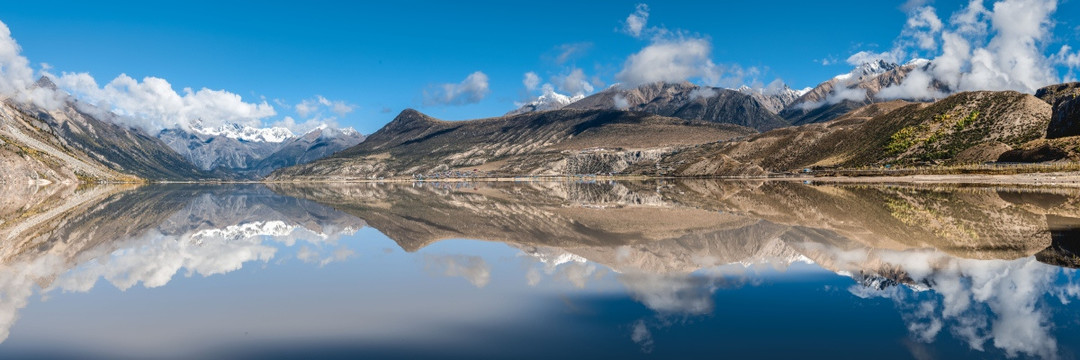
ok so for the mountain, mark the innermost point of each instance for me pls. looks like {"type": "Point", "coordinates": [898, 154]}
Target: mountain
{"type": "Point", "coordinates": [965, 128]}
{"type": "Point", "coordinates": [774, 99]}
{"type": "Point", "coordinates": [71, 138]}
{"type": "Point", "coordinates": [30, 151]}
{"type": "Point", "coordinates": [249, 152]}
{"type": "Point", "coordinates": [247, 133]}
{"type": "Point", "coordinates": [314, 145]}
{"type": "Point", "coordinates": [217, 152]}
{"type": "Point", "coordinates": [67, 141]}
{"type": "Point", "coordinates": [849, 91]}
{"type": "Point", "coordinates": [962, 129]}
{"type": "Point", "coordinates": [1065, 98]}
{"type": "Point", "coordinates": [686, 101]}
{"type": "Point", "coordinates": [556, 142]}
{"type": "Point", "coordinates": [676, 225]}
{"type": "Point", "coordinates": [550, 100]}
{"type": "Point", "coordinates": [147, 235]}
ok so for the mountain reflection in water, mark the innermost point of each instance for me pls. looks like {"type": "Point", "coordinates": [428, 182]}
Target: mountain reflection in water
{"type": "Point", "coordinates": [579, 269]}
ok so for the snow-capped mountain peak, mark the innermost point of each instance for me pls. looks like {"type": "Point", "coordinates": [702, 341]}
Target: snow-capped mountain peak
{"type": "Point", "coordinates": [247, 133]}
{"type": "Point", "coordinates": [918, 62]}
{"type": "Point", "coordinates": [775, 97]}
{"type": "Point", "coordinates": [549, 100]}
{"type": "Point", "coordinates": [872, 68]}
{"type": "Point", "coordinates": [328, 131]}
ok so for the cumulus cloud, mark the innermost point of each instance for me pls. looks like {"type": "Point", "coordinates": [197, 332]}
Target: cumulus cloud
{"type": "Point", "coordinates": [574, 82]}
{"type": "Point", "coordinates": [311, 106]}
{"type": "Point", "coordinates": [677, 55]}
{"type": "Point", "coordinates": [469, 91]}
{"type": "Point", "coordinates": [635, 23]}
{"type": "Point", "coordinates": [15, 72]}
{"type": "Point", "coordinates": [671, 294]}
{"type": "Point", "coordinates": [317, 112]}
{"type": "Point", "coordinates": [998, 48]}
{"type": "Point", "coordinates": [17, 78]}
{"type": "Point", "coordinates": [998, 302]}
{"type": "Point", "coordinates": [312, 256]}
{"type": "Point", "coordinates": [1069, 59]}
{"type": "Point", "coordinates": [922, 27]}
{"type": "Point", "coordinates": [152, 104]}
{"type": "Point", "coordinates": [471, 268]}
{"type": "Point", "coordinates": [916, 86]}
{"type": "Point", "coordinates": [531, 81]}
{"type": "Point", "coordinates": [669, 60]}
{"type": "Point", "coordinates": [869, 57]}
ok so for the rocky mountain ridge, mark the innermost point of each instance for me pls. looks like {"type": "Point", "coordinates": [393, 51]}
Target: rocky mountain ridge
{"type": "Point", "coordinates": [415, 145]}
{"type": "Point", "coordinates": [686, 101]}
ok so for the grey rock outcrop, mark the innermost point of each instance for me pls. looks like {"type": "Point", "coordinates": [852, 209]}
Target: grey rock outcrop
{"type": "Point", "coordinates": [1065, 98]}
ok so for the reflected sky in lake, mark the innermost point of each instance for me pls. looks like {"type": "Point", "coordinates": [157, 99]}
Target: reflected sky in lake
{"type": "Point", "coordinates": [540, 270]}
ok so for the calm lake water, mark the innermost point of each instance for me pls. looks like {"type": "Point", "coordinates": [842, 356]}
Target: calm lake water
{"type": "Point", "coordinates": [540, 270]}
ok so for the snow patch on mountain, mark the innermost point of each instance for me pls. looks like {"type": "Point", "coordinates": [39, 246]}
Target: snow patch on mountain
{"type": "Point", "coordinates": [247, 133]}
{"type": "Point", "coordinates": [775, 97]}
{"type": "Point", "coordinates": [866, 70]}
{"type": "Point", "coordinates": [245, 231]}
{"type": "Point", "coordinates": [549, 100]}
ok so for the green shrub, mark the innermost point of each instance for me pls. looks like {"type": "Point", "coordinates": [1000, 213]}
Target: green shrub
{"type": "Point", "coordinates": [963, 123]}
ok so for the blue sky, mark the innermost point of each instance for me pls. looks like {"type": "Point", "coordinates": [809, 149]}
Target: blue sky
{"type": "Point", "coordinates": [380, 57]}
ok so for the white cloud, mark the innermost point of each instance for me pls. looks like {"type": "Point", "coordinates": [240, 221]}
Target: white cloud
{"type": "Point", "coordinates": [910, 5]}
{"type": "Point", "coordinates": [17, 78]}
{"type": "Point", "coordinates": [1001, 48]}
{"type": "Point", "coordinates": [312, 256]}
{"type": "Point", "coordinates": [318, 104]}
{"type": "Point", "coordinates": [570, 51]}
{"type": "Point", "coordinates": [310, 106]}
{"type": "Point", "coordinates": [1070, 60]}
{"type": "Point", "coordinates": [642, 336]}
{"type": "Point", "coordinates": [15, 72]}
{"type": "Point", "coordinates": [829, 60]}
{"type": "Point", "coordinates": [152, 104]}
{"type": "Point", "coordinates": [922, 26]}
{"type": "Point", "coordinates": [621, 103]}
{"type": "Point", "coordinates": [469, 91]}
{"type": "Point", "coordinates": [703, 92]}
{"type": "Point", "coordinates": [575, 82]}
{"type": "Point", "coordinates": [669, 61]}
{"type": "Point", "coordinates": [471, 268]}
{"type": "Point", "coordinates": [671, 294]}
{"type": "Point", "coordinates": [635, 23]}
{"type": "Point", "coordinates": [869, 57]}
{"type": "Point", "coordinates": [916, 86]}
{"type": "Point", "coordinates": [531, 81]}
{"type": "Point", "coordinates": [1002, 302]}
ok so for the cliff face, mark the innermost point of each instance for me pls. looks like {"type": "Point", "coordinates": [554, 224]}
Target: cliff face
{"type": "Point", "coordinates": [1065, 99]}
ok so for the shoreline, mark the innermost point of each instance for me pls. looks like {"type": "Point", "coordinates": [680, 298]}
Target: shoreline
{"type": "Point", "coordinates": [1070, 179]}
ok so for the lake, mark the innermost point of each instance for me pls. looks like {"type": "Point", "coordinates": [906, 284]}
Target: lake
{"type": "Point", "coordinates": [583, 269]}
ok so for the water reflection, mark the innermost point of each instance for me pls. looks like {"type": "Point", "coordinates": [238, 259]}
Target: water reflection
{"type": "Point", "coordinates": [984, 264]}
{"type": "Point", "coordinates": [988, 268]}
{"type": "Point", "coordinates": [148, 235]}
